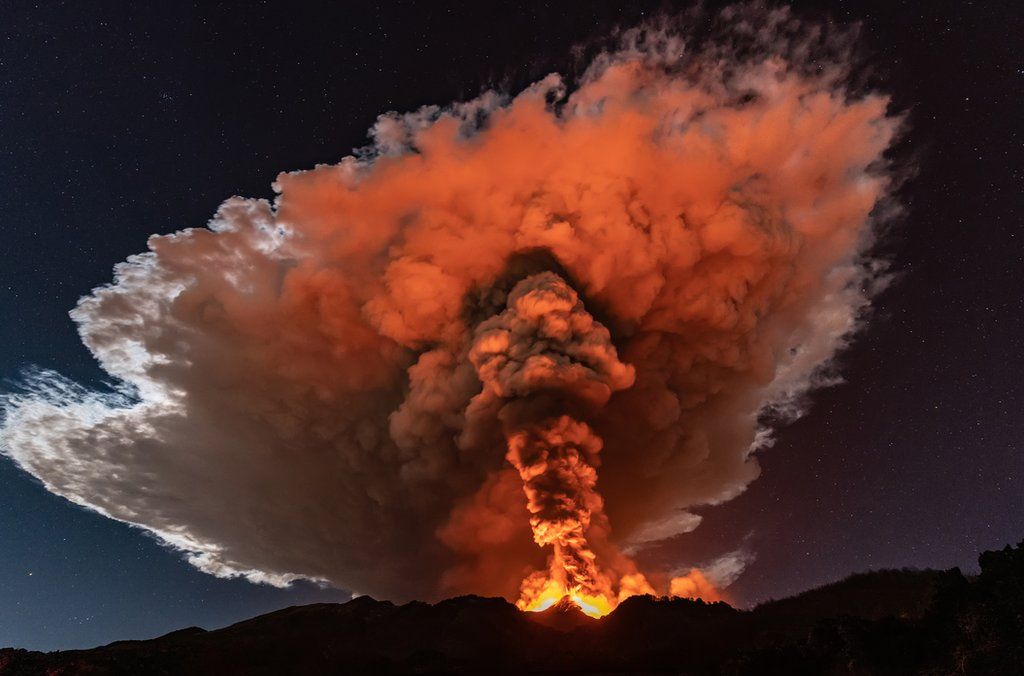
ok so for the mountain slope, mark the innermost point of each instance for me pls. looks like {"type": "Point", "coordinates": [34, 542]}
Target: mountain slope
{"type": "Point", "coordinates": [875, 623]}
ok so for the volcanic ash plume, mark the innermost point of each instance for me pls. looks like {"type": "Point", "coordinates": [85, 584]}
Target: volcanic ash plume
{"type": "Point", "coordinates": [505, 349]}
{"type": "Point", "coordinates": [542, 355]}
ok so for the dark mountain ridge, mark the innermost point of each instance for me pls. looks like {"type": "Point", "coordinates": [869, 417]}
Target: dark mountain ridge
{"type": "Point", "coordinates": [886, 622]}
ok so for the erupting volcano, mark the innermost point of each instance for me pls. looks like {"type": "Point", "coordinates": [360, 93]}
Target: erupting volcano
{"type": "Point", "coordinates": [506, 349]}
{"type": "Point", "coordinates": [542, 355]}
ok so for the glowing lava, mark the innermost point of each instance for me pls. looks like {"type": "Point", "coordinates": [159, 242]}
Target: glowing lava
{"type": "Point", "coordinates": [553, 592]}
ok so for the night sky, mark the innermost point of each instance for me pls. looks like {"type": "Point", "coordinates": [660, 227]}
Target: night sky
{"type": "Point", "coordinates": [122, 121]}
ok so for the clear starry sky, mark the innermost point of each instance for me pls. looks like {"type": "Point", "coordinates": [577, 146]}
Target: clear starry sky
{"type": "Point", "coordinates": [119, 121]}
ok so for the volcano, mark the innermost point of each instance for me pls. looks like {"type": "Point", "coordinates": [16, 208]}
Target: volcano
{"type": "Point", "coordinates": [898, 621]}
{"type": "Point", "coordinates": [564, 615]}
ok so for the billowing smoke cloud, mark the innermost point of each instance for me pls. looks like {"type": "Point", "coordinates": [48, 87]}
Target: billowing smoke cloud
{"type": "Point", "coordinates": [369, 381]}
{"type": "Point", "coordinates": [546, 355]}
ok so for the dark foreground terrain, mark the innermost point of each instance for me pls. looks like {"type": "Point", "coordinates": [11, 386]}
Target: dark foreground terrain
{"type": "Point", "coordinates": [888, 622]}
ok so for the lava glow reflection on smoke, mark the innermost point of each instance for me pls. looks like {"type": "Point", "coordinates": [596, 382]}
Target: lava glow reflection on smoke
{"type": "Point", "coordinates": [505, 349]}
{"type": "Point", "coordinates": [594, 606]}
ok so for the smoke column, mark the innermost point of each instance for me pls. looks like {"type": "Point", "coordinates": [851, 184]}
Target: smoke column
{"type": "Point", "coordinates": [545, 354]}
{"type": "Point", "coordinates": [504, 348]}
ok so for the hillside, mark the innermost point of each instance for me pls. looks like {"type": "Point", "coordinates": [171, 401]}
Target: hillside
{"type": "Point", "coordinates": [874, 623]}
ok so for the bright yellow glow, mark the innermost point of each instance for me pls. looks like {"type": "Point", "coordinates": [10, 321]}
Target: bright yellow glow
{"type": "Point", "coordinates": [552, 592]}
{"type": "Point", "coordinates": [594, 606]}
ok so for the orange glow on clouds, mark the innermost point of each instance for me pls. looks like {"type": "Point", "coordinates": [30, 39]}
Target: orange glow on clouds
{"type": "Point", "coordinates": [505, 348]}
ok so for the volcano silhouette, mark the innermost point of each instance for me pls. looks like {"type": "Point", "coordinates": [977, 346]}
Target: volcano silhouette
{"type": "Point", "coordinates": [885, 622]}
{"type": "Point", "coordinates": [563, 615]}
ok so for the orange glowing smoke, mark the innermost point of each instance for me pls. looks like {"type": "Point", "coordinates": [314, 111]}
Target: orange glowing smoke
{"type": "Point", "coordinates": [557, 463]}
{"type": "Point", "coordinates": [506, 348]}
{"type": "Point", "coordinates": [545, 352]}
{"type": "Point", "coordinates": [694, 585]}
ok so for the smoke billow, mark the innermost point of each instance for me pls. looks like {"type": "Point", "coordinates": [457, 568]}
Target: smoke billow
{"type": "Point", "coordinates": [561, 318]}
